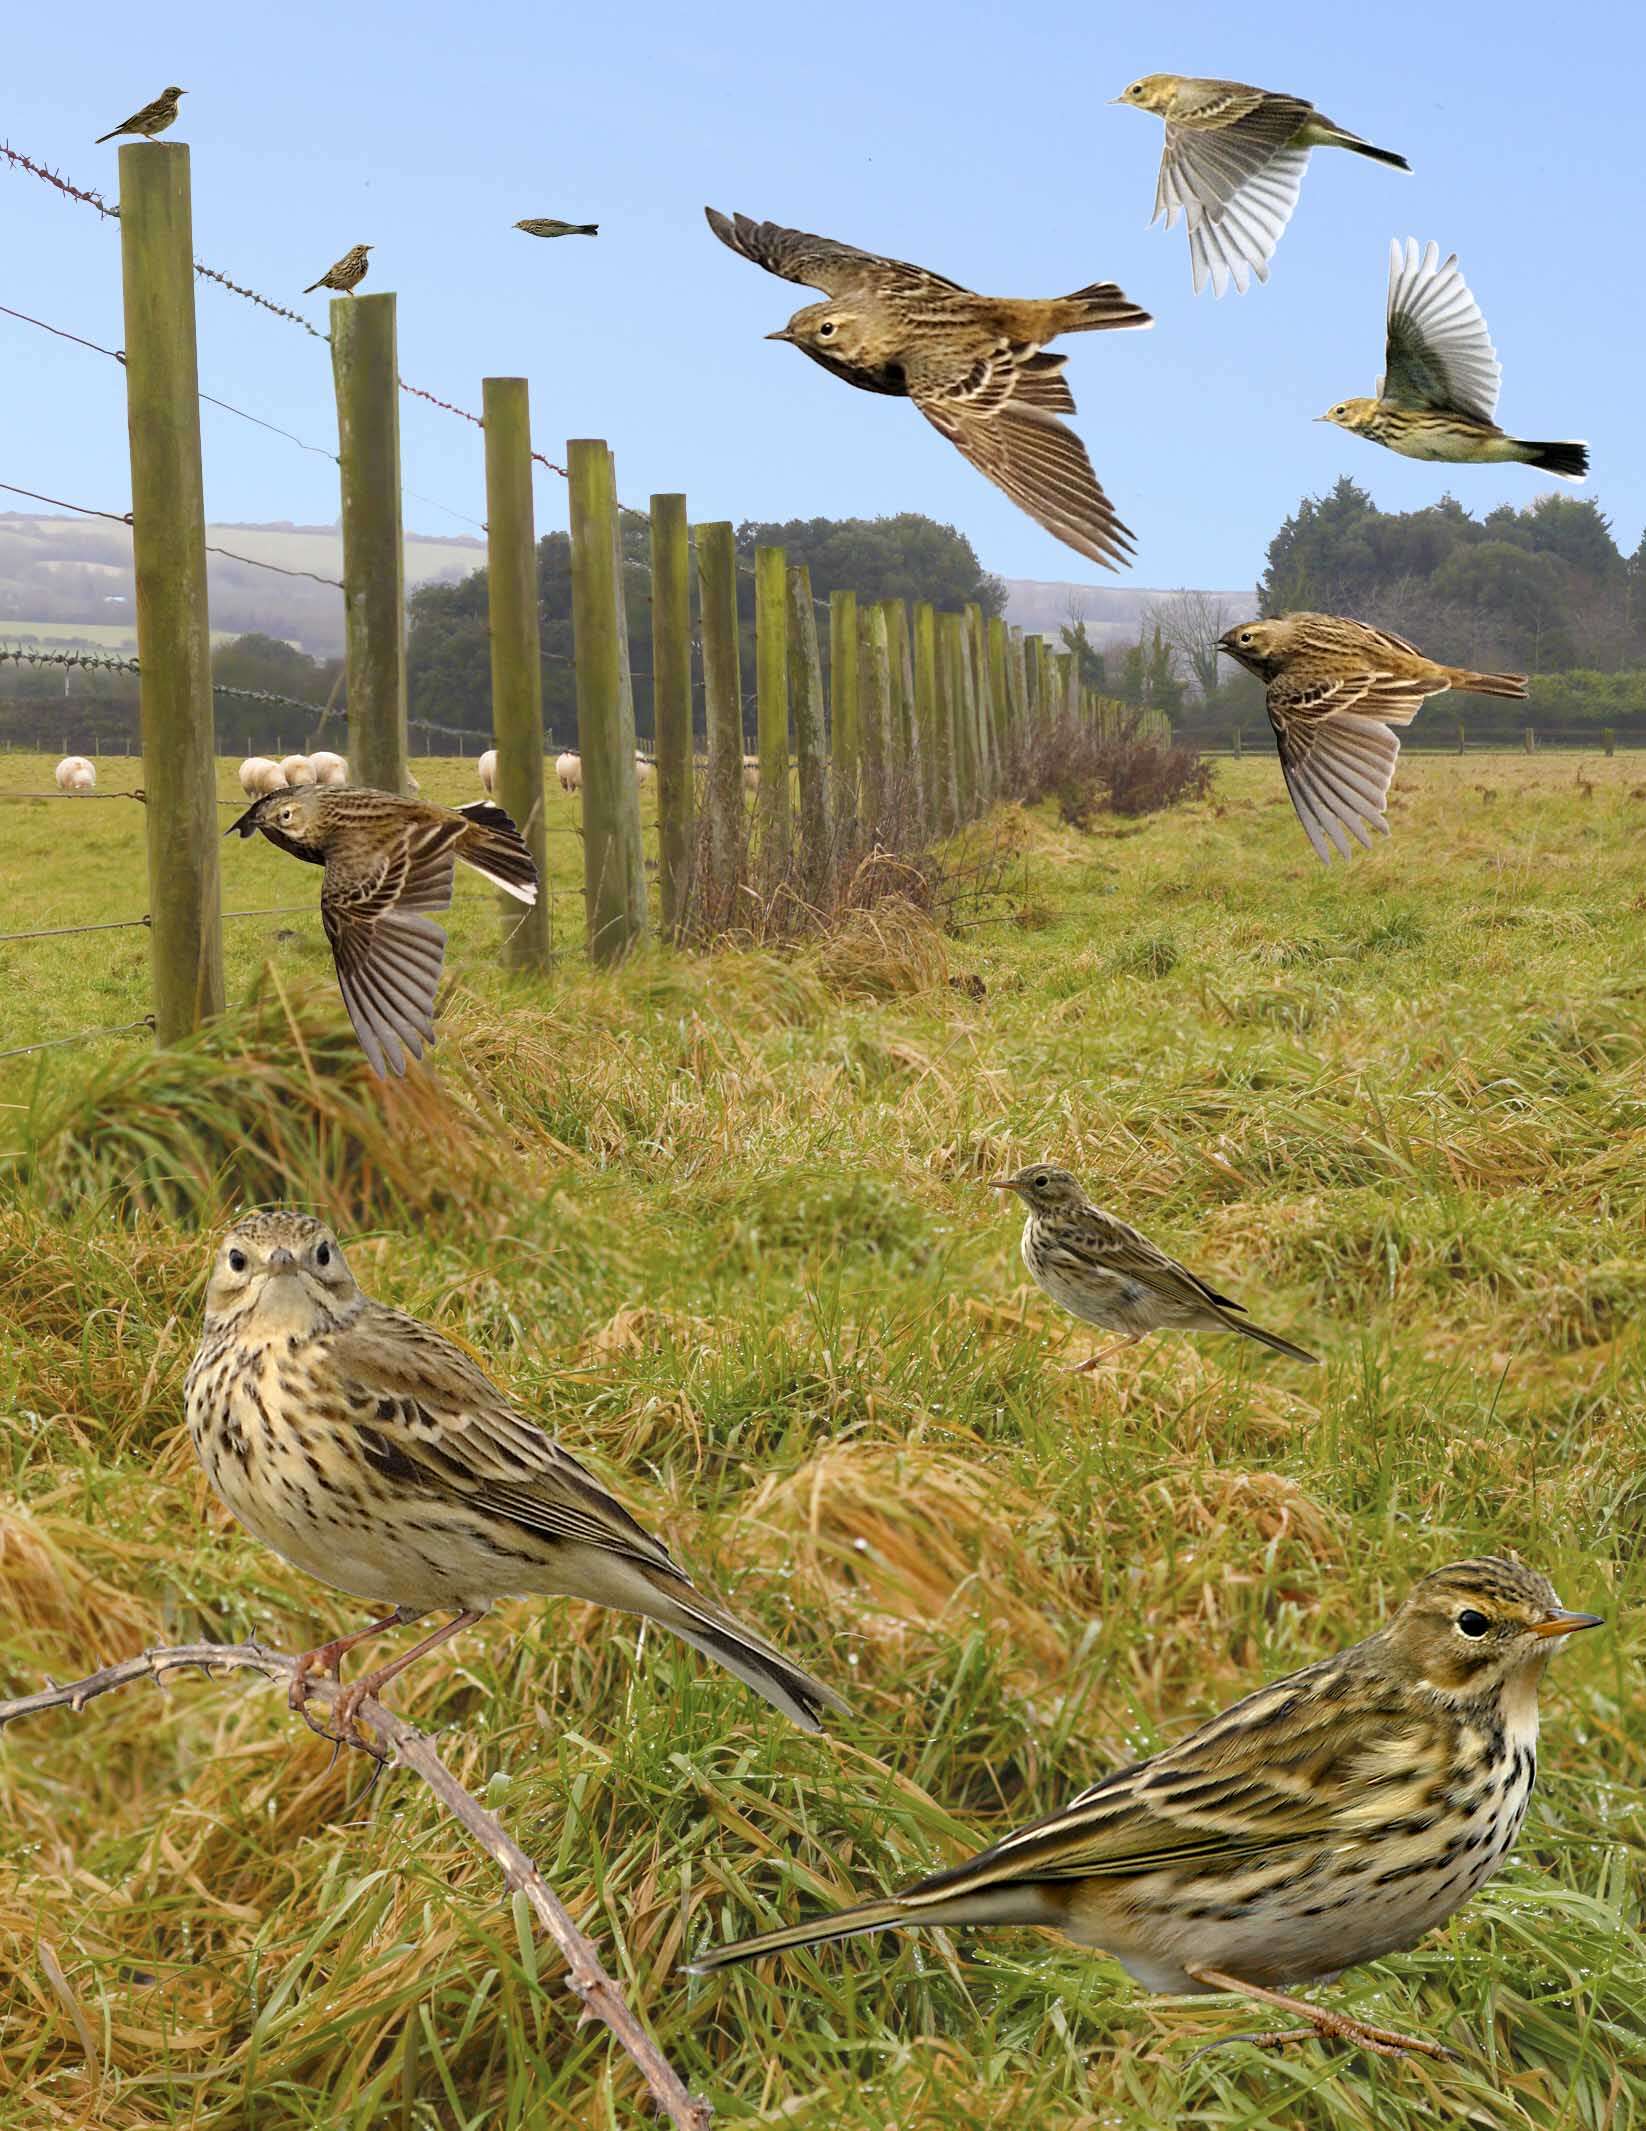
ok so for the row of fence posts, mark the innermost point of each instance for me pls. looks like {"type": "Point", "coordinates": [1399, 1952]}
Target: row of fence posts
{"type": "Point", "coordinates": [913, 738]}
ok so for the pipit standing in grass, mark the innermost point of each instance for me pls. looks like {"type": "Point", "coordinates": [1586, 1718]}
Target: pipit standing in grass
{"type": "Point", "coordinates": [375, 1455]}
{"type": "Point", "coordinates": [975, 366]}
{"type": "Point", "coordinates": [1438, 392]}
{"type": "Point", "coordinates": [548, 226]}
{"type": "Point", "coordinates": [1334, 688]}
{"type": "Point", "coordinates": [1330, 1818]}
{"type": "Point", "coordinates": [1232, 168]}
{"type": "Point", "coordinates": [388, 860]}
{"type": "Point", "coordinates": [152, 119]}
{"type": "Point", "coordinates": [1102, 1271]}
{"type": "Point", "coordinates": [346, 274]}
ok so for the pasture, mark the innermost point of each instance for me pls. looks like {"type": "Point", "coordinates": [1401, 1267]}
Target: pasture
{"type": "Point", "coordinates": [722, 1222]}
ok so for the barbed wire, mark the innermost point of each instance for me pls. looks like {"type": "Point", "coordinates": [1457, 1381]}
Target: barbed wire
{"type": "Point", "coordinates": [100, 662]}
{"type": "Point", "coordinates": [252, 562]}
{"type": "Point", "coordinates": [54, 1043]}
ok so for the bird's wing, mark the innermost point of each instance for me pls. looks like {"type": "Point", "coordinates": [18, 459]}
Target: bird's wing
{"type": "Point", "coordinates": [1096, 1241]}
{"type": "Point", "coordinates": [1235, 181]}
{"type": "Point", "coordinates": [818, 262]}
{"type": "Point", "coordinates": [424, 1413]}
{"type": "Point", "coordinates": [389, 958]}
{"type": "Point", "coordinates": [1337, 752]}
{"type": "Point", "coordinates": [1439, 353]}
{"type": "Point", "coordinates": [1000, 414]}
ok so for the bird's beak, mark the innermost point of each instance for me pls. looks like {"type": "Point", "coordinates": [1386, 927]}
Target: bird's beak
{"type": "Point", "coordinates": [244, 822]}
{"type": "Point", "coordinates": [1116, 99]}
{"type": "Point", "coordinates": [1560, 1622]}
{"type": "Point", "coordinates": [1002, 1183]}
{"type": "Point", "coordinates": [783, 333]}
{"type": "Point", "coordinates": [1322, 417]}
{"type": "Point", "coordinates": [281, 1261]}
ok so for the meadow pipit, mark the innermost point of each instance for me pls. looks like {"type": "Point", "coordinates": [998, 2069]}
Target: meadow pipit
{"type": "Point", "coordinates": [346, 274]}
{"type": "Point", "coordinates": [1330, 1818]}
{"type": "Point", "coordinates": [548, 226]}
{"type": "Point", "coordinates": [1105, 1273]}
{"type": "Point", "coordinates": [1334, 688]}
{"type": "Point", "coordinates": [389, 860]}
{"type": "Point", "coordinates": [376, 1456]}
{"type": "Point", "coordinates": [1438, 391]}
{"type": "Point", "coordinates": [1232, 167]}
{"type": "Point", "coordinates": [973, 365]}
{"type": "Point", "coordinates": [152, 119]}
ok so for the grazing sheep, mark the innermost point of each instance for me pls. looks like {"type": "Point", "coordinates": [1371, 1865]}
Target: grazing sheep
{"type": "Point", "coordinates": [297, 770]}
{"type": "Point", "coordinates": [258, 774]}
{"type": "Point", "coordinates": [751, 773]}
{"type": "Point", "coordinates": [329, 769]}
{"type": "Point", "coordinates": [75, 773]}
{"type": "Point", "coordinates": [569, 769]}
{"type": "Point", "coordinates": [644, 771]}
{"type": "Point", "coordinates": [487, 766]}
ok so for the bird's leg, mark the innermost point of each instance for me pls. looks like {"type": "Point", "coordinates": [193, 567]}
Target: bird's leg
{"type": "Point", "coordinates": [1382, 2041]}
{"type": "Point", "coordinates": [347, 1706]}
{"type": "Point", "coordinates": [1085, 1368]}
{"type": "Point", "coordinates": [329, 1657]}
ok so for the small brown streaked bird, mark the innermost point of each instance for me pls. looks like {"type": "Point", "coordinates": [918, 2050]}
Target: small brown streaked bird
{"type": "Point", "coordinates": [152, 119]}
{"type": "Point", "coordinates": [1232, 168]}
{"type": "Point", "coordinates": [1334, 688]}
{"type": "Point", "coordinates": [346, 274]}
{"type": "Point", "coordinates": [1438, 392]}
{"type": "Point", "coordinates": [388, 861]}
{"type": "Point", "coordinates": [1102, 1271]}
{"type": "Point", "coordinates": [548, 226]}
{"type": "Point", "coordinates": [373, 1454]}
{"type": "Point", "coordinates": [974, 366]}
{"type": "Point", "coordinates": [1332, 1817]}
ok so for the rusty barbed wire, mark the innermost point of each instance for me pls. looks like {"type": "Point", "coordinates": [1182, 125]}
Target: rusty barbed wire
{"type": "Point", "coordinates": [20, 161]}
{"type": "Point", "coordinates": [101, 663]}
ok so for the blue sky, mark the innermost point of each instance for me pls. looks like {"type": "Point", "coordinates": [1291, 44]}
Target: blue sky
{"type": "Point", "coordinates": [973, 140]}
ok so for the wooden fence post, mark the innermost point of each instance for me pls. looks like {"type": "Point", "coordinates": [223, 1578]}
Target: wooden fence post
{"type": "Point", "coordinates": [611, 811]}
{"type": "Point", "coordinates": [895, 757]}
{"type": "Point", "coordinates": [1000, 697]}
{"type": "Point", "coordinates": [1033, 708]}
{"type": "Point", "coordinates": [957, 717]}
{"type": "Point", "coordinates": [517, 663]}
{"type": "Point", "coordinates": [771, 656]}
{"type": "Point", "coordinates": [672, 705]}
{"type": "Point", "coordinates": [1235, 743]}
{"type": "Point", "coordinates": [873, 684]}
{"type": "Point", "coordinates": [1462, 739]}
{"type": "Point", "coordinates": [722, 704]}
{"type": "Point", "coordinates": [977, 667]}
{"type": "Point", "coordinates": [1608, 739]}
{"type": "Point", "coordinates": [845, 729]}
{"type": "Point", "coordinates": [364, 361]}
{"type": "Point", "coordinates": [806, 695]}
{"type": "Point", "coordinates": [1528, 739]}
{"type": "Point", "coordinates": [169, 554]}
{"type": "Point", "coordinates": [901, 647]}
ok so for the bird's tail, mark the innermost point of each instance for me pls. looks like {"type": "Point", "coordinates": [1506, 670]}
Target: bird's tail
{"type": "Point", "coordinates": [492, 845]}
{"type": "Point", "coordinates": [1487, 684]}
{"type": "Point", "coordinates": [842, 1924]}
{"type": "Point", "coordinates": [1270, 1339]}
{"type": "Point", "coordinates": [1357, 146]}
{"type": "Point", "coordinates": [584, 229]}
{"type": "Point", "coordinates": [1570, 461]}
{"type": "Point", "coordinates": [313, 285]}
{"type": "Point", "coordinates": [1100, 308]}
{"type": "Point", "coordinates": [748, 1657]}
{"type": "Point", "coordinates": [102, 137]}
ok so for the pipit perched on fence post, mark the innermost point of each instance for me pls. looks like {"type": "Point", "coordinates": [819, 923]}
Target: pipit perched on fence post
{"type": "Point", "coordinates": [375, 1455]}
{"type": "Point", "coordinates": [1438, 392]}
{"type": "Point", "coordinates": [1330, 1818]}
{"type": "Point", "coordinates": [389, 861]}
{"type": "Point", "coordinates": [1334, 687]}
{"type": "Point", "coordinates": [550, 226]}
{"type": "Point", "coordinates": [152, 119]}
{"type": "Point", "coordinates": [1232, 167]}
{"type": "Point", "coordinates": [345, 274]}
{"type": "Point", "coordinates": [974, 366]}
{"type": "Point", "coordinates": [1101, 1270]}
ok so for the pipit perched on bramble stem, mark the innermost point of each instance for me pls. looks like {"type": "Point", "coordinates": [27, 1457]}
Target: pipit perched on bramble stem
{"type": "Point", "coordinates": [1101, 1270]}
{"type": "Point", "coordinates": [1330, 1818]}
{"type": "Point", "coordinates": [1333, 688]}
{"type": "Point", "coordinates": [974, 366]}
{"type": "Point", "coordinates": [1232, 167]}
{"type": "Point", "coordinates": [345, 274]}
{"type": "Point", "coordinates": [375, 1455]}
{"type": "Point", "coordinates": [550, 226]}
{"type": "Point", "coordinates": [389, 860]}
{"type": "Point", "coordinates": [1438, 392]}
{"type": "Point", "coordinates": [152, 119]}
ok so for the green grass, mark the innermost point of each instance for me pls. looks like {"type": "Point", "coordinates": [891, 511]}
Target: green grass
{"type": "Point", "coordinates": [722, 1222]}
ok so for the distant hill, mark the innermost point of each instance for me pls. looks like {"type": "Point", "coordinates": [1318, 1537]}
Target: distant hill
{"type": "Point", "coordinates": [58, 572]}
{"type": "Point", "coordinates": [1113, 614]}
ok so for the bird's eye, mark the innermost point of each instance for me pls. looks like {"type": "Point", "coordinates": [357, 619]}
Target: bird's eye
{"type": "Point", "coordinates": [1136, 89]}
{"type": "Point", "coordinates": [1041, 1181]}
{"type": "Point", "coordinates": [288, 813]}
{"type": "Point", "coordinates": [1245, 636]}
{"type": "Point", "coordinates": [322, 1254]}
{"type": "Point", "coordinates": [826, 330]}
{"type": "Point", "coordinates": [237, 1261]}
{"type": "Point", "coordinates": [1472, 1624]}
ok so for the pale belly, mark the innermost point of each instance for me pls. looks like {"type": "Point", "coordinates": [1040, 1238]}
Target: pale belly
{"type": "Point", "coordinates": [1115, 1303]}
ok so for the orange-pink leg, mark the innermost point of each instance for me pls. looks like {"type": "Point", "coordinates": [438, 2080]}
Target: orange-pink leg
{"type": "Point", "coordinates": [329, 1656]}
{"type": "Point", "coordinates": [1085, 1368]}
{"type": "Point", "coordinates": [347, 1706]}
{"type": "Point", "coordinates": [1382, 2041]}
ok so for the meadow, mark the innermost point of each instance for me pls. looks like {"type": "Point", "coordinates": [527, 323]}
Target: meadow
{"type": "Point", "coordinates": [723, 1222]}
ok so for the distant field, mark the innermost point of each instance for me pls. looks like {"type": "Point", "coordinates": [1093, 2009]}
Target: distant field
{"type": "Point", "coordinates": [723, 1223]}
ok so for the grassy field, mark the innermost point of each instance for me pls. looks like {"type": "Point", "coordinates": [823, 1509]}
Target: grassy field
{"type": "Point", "coordinates": [722, 1222]}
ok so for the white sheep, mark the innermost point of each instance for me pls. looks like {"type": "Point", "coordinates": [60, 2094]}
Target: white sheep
{"type": "Point", "coordinates": [329, 769]}
{"type": "Point", "coordinates": [751, 773]}
{"type": "Point", "coordinates": [258, 774]}
{"type": "Point", "coordinates": [487, 766]}
{"type": "Point", "coordinates": [644, 771]}
{"type": "Point", "coordinates": [297, 770]}
{"type": "Point", "coordinates": [569, 769]}
{"type": "Point", "coordinates": [76, 773]}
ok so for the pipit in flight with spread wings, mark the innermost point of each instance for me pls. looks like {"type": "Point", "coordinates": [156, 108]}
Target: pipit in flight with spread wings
{"type": "Point", "coordinates": [1438, 392]}
{"type": "Point", "coordinates": [1102, 1271]}
{"type": "Point", "coordinates": [346, 274]}
{"type": "Point", "coordinates": [975, 366]}
{"type": "Point", "coordinates": [1232, 166]}
{"type": "Point", "coordinates": [1332, 1817]}
{"type": "Point", "coordinates": [1334, 688]}
{"type": "Point", "coordinates": [152, 119]}
{"type": "Point", "coordinates": [388, 861]}
{"type": "Point", "coordinates": [371, 1452]}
